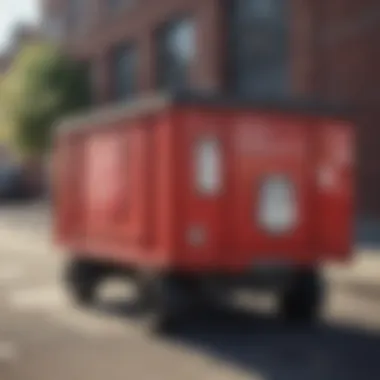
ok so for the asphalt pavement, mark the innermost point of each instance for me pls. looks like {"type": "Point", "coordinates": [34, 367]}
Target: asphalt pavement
{"type": "Point", "coordinates": [44, 337]}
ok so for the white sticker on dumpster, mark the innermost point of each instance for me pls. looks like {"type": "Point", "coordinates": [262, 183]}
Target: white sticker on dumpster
{"type": "Point", "coordinates": [208, 165]}
{"type": "Point", "coordinates": [278, 208]}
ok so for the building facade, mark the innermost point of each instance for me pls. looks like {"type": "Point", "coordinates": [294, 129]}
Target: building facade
{"type": "Point", "coordinates": [211, 45]}
{"type": "Point", "coordinates": [326, 49]}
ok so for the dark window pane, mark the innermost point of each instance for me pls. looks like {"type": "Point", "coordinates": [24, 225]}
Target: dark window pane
{"type": "Point", "coordinates": [86, 69]}
{"type": "Point", "coordinates": [124, 71]}
{"type": "Point", "coordinates": [175, 54]}
{"type": "Point", "coordinates": [259, 47]}
{"type": "Point", "coordinates": [113, 4]}
{"type": "Point", "coordinates": [118, 4]}
{"type": "Point", "coordinates": [75, 13]}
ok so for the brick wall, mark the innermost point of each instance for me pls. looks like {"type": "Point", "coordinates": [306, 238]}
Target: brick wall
{"type": "Point", "coordinates": [335, 55]}
{"type": "Point", "coordinates": [139, 22]}
{"type": "Point", "coordinates": [349, 61]}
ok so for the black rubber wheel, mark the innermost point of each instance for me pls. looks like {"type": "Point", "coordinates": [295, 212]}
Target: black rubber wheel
{"type": "Point", "coordinates": [202, 299]}
{"type": "Point", "coordinates": [302, 301]}
{"type": "Point", "coordinates": [161, 299]}
{"type": "Point", "coordinates": [82, 279]}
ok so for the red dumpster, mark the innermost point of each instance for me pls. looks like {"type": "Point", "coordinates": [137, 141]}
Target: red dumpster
{"type": "Point", "coordinates": [181, 192]}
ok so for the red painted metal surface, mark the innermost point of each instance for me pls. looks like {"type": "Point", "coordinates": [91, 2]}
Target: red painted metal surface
{"type": "Point", "coordinates": [126, 191]}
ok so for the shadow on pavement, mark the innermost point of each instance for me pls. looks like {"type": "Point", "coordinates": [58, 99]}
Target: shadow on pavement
{"type": "Point", "coordinates": [278, 352]}
{"type": "Point", "coordinates": [263, 346]}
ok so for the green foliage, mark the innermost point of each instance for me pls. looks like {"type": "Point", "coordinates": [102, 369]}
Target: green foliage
{"type": "Point", "coordinates": [42, 86]}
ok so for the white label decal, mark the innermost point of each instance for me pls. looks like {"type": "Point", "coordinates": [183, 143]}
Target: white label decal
{"type": "Point", "coordinates": [208, 166]}
{"type": "Point", "coordinates": [278, 208]}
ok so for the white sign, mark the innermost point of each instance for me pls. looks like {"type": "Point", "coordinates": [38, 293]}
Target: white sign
{"type": "Point", "coordinates": [208, 165]}
{"type": "Point", "coordinates": [278, 206]}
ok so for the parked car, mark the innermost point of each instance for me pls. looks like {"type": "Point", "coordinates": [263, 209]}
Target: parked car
{"type": "Point", "coordinates": [13, 184]}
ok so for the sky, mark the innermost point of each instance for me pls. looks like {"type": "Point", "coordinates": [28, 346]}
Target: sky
{"type": "Point", "coordinates": [14, 11]}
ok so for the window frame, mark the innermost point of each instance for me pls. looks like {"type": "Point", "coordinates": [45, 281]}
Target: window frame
{"type": "Point", "coordinates": [275, 65]}
{"type": "Point", "coordinates": [119, 5]}
{"type": "Point", "coordinates": [118, 52]}
{"type": "Point", "coordinates": [163, 34]}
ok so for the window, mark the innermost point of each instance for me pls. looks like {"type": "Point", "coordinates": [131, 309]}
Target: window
{"type": "Point", "coordinates": [76, 14]}
{"type": "Point", "coordinates": [208, 166]}
{"type": "Point", "coordinates": [87, 72]}
{"type": "Point", "coordinates": [119, 4]}
{"type": "Point", "coordinates": [259, 47]}
{"type": "Point", "coordinates": [175, 54]}
{"type": "Point", "coordinates": [124, 71]}
{"type": "Point", "coordinates": [114, 4]}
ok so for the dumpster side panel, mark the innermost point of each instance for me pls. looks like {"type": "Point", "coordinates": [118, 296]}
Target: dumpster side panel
{"type": "Point", "coordinates": [272, 189]}
{"type": "Point", "coordinates": [265, 199]}
{"type": "Point", "coordinates": [115, 193]}
{"type": "Point", "coordinates": [118, 189]}
{"type": "Point", "coordinates": [201, 187]}
{"type": "Point", "coordinates": [60, 188]}
{"type": "Point", "coordinates": [231, 153]}
{"type": "Point", "coordinates": [335, 196]}
{"type": "Point", "coordinates": [102, 182]}
{"type": "Point", "coordinates": [163, 192]}
{"type": "Point", "coordinates": [68, 165]}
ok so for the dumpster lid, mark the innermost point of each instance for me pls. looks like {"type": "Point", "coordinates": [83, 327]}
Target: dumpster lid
{"type": "Point", "coordinates": [151, 103]}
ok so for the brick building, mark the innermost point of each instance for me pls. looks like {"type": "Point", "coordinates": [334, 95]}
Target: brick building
{"type": "Point", "coordinates": [326, 49]}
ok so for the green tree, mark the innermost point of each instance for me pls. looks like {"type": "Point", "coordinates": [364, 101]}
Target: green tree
{"type": "Point", "coordinates": [42, 86]}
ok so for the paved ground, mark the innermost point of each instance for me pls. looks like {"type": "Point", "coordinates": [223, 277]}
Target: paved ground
{"type": "Point", "coordinates": [43, 337]}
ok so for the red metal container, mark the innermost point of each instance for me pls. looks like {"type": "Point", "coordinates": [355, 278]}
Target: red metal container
{"type": "Point", "coordinates": [200, 187]}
